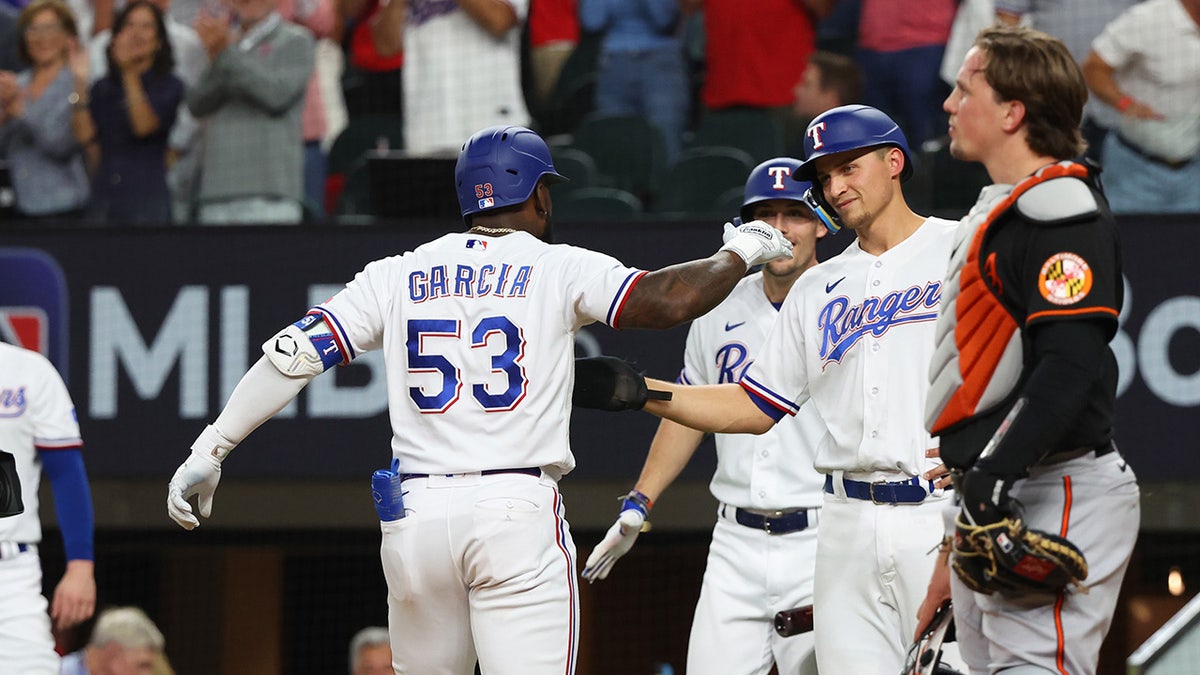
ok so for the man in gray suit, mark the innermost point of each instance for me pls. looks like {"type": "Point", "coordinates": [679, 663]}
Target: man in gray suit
{"type": "Point", "coordinates": [251, 96]}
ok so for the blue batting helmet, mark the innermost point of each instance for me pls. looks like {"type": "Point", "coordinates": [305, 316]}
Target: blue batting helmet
{"type": "Point", "coordinates": [500, 166]}
{"type": "Point", "coordinates": [773, 180]}
{"type": "Point", "coordinates": [850, 127]}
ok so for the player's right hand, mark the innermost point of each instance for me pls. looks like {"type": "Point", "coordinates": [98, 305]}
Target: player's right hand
{"type": "Point", "coordinates": [198, 475]}
{"type": "Point", "coordinates": [616, 543]}
{"type": "Point", "coordinates": [756, 242]}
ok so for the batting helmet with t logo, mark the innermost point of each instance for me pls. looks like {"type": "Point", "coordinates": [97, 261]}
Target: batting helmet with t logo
{"type": "Point", "coordinates": [500, 166]}
{"type": "Point", "coordinates": [772, 180]}
{"type": "Point", "coordinates": [850, 127]}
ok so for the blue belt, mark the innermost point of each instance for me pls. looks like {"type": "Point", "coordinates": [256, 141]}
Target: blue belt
{"type": "Point", "coordinates": [781, 524]}
{"type": "Point", "coordinates": [909, 491]}
{"type": "Point", "coordinates": [20, 548]}
{"type": "Point", "coordinates": [528, 471]}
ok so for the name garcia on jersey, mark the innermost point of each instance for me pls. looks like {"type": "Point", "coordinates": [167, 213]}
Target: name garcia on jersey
{"type": "Point", "coordinates": [842, 325]}
{"type": "Point", "coordinates": [466, 281]}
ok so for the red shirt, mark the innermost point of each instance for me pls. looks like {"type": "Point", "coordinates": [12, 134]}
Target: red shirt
{"type": "Point", "coordinates": [553, 21]}
{"type": "Point", "coordinates": [756, 51]}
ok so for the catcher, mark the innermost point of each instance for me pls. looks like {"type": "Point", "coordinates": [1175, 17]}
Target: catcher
{"type": "Point", "coordinates": [1023, 381]}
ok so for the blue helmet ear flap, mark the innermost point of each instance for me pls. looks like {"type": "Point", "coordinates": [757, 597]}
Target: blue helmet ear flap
{"type": "Point", "coordinates": [814, 198]}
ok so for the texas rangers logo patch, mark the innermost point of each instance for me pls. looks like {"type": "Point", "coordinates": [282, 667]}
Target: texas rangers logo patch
{"type": "Point", "coordinates": [1065, 279]}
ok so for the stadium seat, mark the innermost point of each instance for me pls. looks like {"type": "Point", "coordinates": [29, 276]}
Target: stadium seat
{"type": "Point", "coordinates": [576, 165]}
{"type": "Point", "coordinates": [750, 129]}
{"type": "Point", "coordinates": [629, 151]}
{"type": "Point", "coordinates": [594, 203]}
{"type": "Point", "coordinates": [362, 133]}
{"type": "Point", "coordinates": [730, 201]}
{"type": "Point", "coordinates": [697, 182]}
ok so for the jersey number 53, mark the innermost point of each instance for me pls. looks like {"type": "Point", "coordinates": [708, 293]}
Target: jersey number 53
{"type": "Point", "coordinates": [426, 336]}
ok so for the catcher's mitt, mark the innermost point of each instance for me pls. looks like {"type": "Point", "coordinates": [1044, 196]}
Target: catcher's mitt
{"type": "Point", "coordinates": [1008, 558]}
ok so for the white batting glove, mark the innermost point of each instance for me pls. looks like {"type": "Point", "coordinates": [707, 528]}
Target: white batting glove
{"type": "Point", "coordinates": [616, 543]}
{"type": "Point", "coordinates": [198, 475]}
{"type": "Point", "coordinates": [756, 242]}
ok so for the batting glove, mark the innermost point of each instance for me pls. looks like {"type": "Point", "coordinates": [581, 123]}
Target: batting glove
{"type": "Point", "coordinates": [198, 475]}
{"type": "Point", "coordinates": [756, 242]}
{"type": "Point", "coordinates": [620, 537]}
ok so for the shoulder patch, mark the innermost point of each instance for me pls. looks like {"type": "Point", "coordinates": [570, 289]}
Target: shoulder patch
{"type": "Point", "coordinates": [1057, 201]}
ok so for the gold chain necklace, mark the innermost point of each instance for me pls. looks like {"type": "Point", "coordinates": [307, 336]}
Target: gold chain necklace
{"type": "Point", "coordinates": [492, 230]}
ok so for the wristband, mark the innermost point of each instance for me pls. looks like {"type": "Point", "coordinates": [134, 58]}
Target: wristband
{"type": "Point", "coordinates": [212, 443]}
{"type": "Point", "coordinates": [637, 501]}
{"type": "Point", "coordinates": [1124, 103]}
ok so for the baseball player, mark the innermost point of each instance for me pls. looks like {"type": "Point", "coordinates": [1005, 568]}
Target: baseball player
{"type": "Point", "coordinates": [477, 329]}
{"type": "Point", "coordinates": [765, 540]}
{"type": "Point", "coordinates": [1023, 380]}
{"type": "Point", "coordinates": [854, 336]}
{"type": "Point", "coordinates": [38, 426]}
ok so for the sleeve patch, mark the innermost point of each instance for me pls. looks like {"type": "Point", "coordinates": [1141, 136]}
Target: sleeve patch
{"type": "Point", "coordinates": [1065, 279]}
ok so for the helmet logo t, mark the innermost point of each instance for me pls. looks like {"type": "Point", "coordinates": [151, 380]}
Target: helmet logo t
{"type": "Point", "coordinates": [779, 173]}
{"type": "Point", "coordinates": [814, 131]}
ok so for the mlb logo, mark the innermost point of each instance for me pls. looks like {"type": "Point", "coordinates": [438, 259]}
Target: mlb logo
{"type": "Point", "coordinates": [477, 244]}
{"type": "Point", "coordinates": [487, 203]}
{"type": "Point", "coordinates": [33, 304]}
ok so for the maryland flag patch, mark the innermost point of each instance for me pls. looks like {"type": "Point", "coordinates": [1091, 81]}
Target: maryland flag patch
{"type": "Point", "coordinates": [1065, 279]}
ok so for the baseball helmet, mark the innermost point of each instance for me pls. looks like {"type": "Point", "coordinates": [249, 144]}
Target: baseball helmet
{"type": "Point", "coordinates": [850, 127]}
{"type": "Point", "coordinates": [772, 180]}
{"type": "Point", "coordinates": [500, 166]}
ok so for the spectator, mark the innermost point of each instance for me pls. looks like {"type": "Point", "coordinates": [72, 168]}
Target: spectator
{"type": "Point", "coordinates": [900, 51]}
{"type": "Point", "coordinates": [747, 63]}
{"type": "Point", "coordinates": [124, 642]}
{"type": "Point", "coordinates": [1146, 64]}
{"type": "Point", "coordinates": [125, 125]}
{"type": "Point", "coordinates": [251, 96]}
{"type": "Point", "coordinates": [45, 161]}
{"type": "Point", "coordinates": [38, 426]}
{"type": "Point", "coordinates": [830, 80]}
{"type": "Point", "coordinates": [1076, 23]}
{"type": "Point", "coordinates": [185, 144]}
{"type": "Point", "coordinates": [641, 68]}
{"type": "Point", "coordinates": [371, 652]}
{"type": "Point", "coordinates": [372, 83]}
{"type": "Point", "coordinates": [318, 17]}
{"type": "Point", "coordinates": [553, 34]}
{"type": "Point", "coordinates": [462, 67]}
{"type": "Point", "coordinates": [9, 39]}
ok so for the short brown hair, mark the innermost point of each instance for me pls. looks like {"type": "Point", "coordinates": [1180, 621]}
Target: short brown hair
{"type": "Point", "coordinates": [58, 7]}
{"type": "Point", "coordinates": [1027, 65]}
{"type": "Point", "coordinates": [840, 73]}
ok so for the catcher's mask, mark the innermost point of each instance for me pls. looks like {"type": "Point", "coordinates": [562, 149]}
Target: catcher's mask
{"type": "Point", "coordinates": [925, 654]}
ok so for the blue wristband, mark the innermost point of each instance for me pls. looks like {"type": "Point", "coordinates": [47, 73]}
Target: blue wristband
{"type": "Point", "coordinates": [638, 502]}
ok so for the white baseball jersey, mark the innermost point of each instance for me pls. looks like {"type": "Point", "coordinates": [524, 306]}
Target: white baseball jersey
{"type": "Point", "coordinates": [855, 335]}
{"type": "Point", "coordinates": [36, 412]}
{"type": "Point", "coordinates": [458, 78]}
{"type": "Point", "coordinates": [478, 336]}
{"type": "Point", "coordinates": [751, 574]}
{"type": "Point", "coordinates": [773, 471]}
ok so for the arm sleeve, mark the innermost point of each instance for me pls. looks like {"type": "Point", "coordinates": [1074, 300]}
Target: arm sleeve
{"type": "Point", "coordinates": [262, 392]}
{"type": "Point", "coordinates": [1056, 392]}
{"type": "Point", "coordinates": [593, 15]}
{"type": "Point", "coordinates": [72, 500]}
{"type": "Point", "coordinates": [208, 93]}
{"type": "Point", "coordinates": [273, 84]}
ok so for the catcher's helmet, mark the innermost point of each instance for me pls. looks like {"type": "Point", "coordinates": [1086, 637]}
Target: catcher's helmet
{"type": "Point", "coordinates": [500, 166]}
{"type": "Point", "coordinates": [772, 180]}
{"type": "Point", "coordinates": [850, 127]}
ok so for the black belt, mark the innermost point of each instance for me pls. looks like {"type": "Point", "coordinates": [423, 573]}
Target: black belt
{"type": "Point", "coordinates": [1100, 451]}
{"type": "Point", "coordinates": [21, 548]}
{"type": "Point", "coordinates": [1173, 165]}
{"type": "Point", "coordinates": [784, 523]}
{"type": "Point", "coordinates": [528, 471]}
{"type": "Point", "coordinates": [909, 491]}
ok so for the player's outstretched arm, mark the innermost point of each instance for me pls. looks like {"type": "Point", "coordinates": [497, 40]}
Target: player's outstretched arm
{"type": "Point", "coordinates": [716, 408]}
{"type": "Point", "coordinates": [670, 296]}
{"type": "Point", "coordinates": [262, 392]}
{"type": "Point", "coordinates": [670, 451]}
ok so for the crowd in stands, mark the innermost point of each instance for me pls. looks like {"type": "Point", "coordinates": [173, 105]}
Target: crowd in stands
{"type": "Point", "coordinates": [229, 111]}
